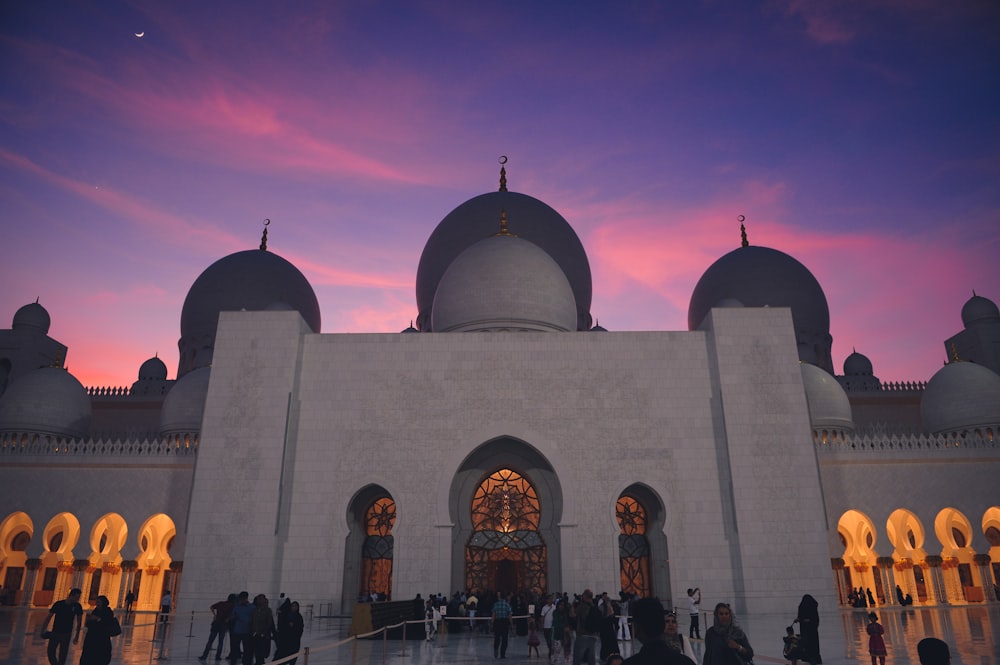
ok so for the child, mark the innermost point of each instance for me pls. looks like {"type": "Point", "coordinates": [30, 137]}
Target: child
{"type": "Point", "coordinates": [792, 650]}
{"type": "Point", "coordinates": [876, 645]}
{"type": "Point", "coordinates": [533, 640]}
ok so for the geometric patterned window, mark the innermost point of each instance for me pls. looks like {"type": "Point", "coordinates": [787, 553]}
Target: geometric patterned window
{"type": "Point", "coordinates": [376, 553]}
{"type": "Point", "coordinates": [505, 519]}
{"type": "Point", "coordinates": [633, 546]}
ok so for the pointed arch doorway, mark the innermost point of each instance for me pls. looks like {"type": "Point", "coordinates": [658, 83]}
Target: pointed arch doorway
{"type": "Point", "coordinates": [506, 503]}
{"type": "Point", "coordinates": [506, 552]}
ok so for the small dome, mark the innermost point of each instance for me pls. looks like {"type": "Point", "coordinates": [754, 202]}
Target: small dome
{"type": "Point", "coordinates": [410, 329]}
{"type": "Point", "coordinates": [31, 316]}
{"type": "Point", "coordinates": [153, 369]}
{"type": "Point", "coordinates": [504, 283]}
{"type": "Point", "coordinates": [829, 407]}
{"type": "Point", "coordinates": [252, 280]}
{"type": "Point", "coordinates": [979, 309]}
{"type": "Point", "coordinates": [961, 396]}
{"type": "Point", "coordinates": [48, 400]}
{"type": "Point", "coordinates": [185, 403]}
{"type": "Point", "coordinates": [476, 219]}
{"type": "Point", "coordinates": [858, 365]}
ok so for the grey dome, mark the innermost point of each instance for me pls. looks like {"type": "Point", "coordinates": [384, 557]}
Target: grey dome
{"type": "Point", "coordinates": [34, 316]}
{"type": "Point", "coordinates": [184, 405]}
{"type": "Point", "coordinates": [48, 400]}
{"type": "Point", "coordinates": [764, 277]}
{"type": "Point", "coordinates": [961, 396]}
{"type": "Point", "coordinates": [153, 369]}
{"type": "Point", "coordinates": [857, 364]}
{"type": "Point", "coordinates": [504, 283]}
{"type": "Point", "coordinates": [978, 309]}
{"type": "Point", "coordinates": [476, 219]}
{"type": "Point", "coordinates": [829, 407]}
{"type": "Point", "coordinates": [252, 280]}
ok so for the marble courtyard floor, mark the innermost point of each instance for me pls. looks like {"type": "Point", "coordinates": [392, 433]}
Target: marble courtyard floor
{"type": "Point", "coordinates": [972, 631]}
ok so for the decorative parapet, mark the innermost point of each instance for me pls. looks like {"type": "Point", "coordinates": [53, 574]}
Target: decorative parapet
{"type": "Point", "coordinates": [108, 391]}
{"type": "Point", "coordinates": [874, 444]}
{"type": "Point", "coordinates": [146, 390]}
{"type": "Point", "coordinates": [175, 445]}
{"type": "Point", "coordinates": [857, 385]}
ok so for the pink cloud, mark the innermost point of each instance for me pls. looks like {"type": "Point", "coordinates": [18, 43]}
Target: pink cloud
{"type": "Point", "coordinates": [165, 226]}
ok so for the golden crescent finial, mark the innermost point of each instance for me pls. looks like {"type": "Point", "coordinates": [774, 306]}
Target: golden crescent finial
{"type": "Point", "coordinates": [743, 231]}
{"type": "Point", "coordinates": [503, 172]}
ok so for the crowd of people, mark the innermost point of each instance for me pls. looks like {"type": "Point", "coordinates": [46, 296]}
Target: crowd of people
{"type": "Point", "coordinates": [580, 629]}
{"type": "Point", "coordinates": [253, 627]}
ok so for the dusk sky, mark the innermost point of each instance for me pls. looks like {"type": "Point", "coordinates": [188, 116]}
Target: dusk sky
{"type": "Point", "coordinates": [862, 138]}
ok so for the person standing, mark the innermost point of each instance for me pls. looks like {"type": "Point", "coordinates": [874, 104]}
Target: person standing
{"type": "Point", "coordinates": [588, 626]}
{"type": "Point", "coordinates": [261, 630]}
{"type": "Point", "coordinates": [221, 612]}
{"type": "Point", "coordinates": [876, 645]}
{"type": "Point", "coordinates": [674, 638]}
{"type": "Point", "coordinates": [471, 604]}
{"type": "Point", "coordinates": [694, 610]}
{"type": "Point", "coordinates": [101, 627]}
{"type": "Point", "coordinates": [624, 633]}
{"type": "Point", "coordinates": [501, 626]}
{"type": "Point", "coordinates": [808, 620]}
{"type": "Point", "coordinates": [289, 633]}
{"type": "Point", "coordinates": [547, 614]}
{"type": "Point", "coordinates": [239, 642]}
{"type": "Point", "coordinates": [725, 642]}
{"type": "Point", "coordinates": [129, 599]}
{"type": "Point", "coordinates": [647, 614]}
{"type": "Point", "coordinates": [165, 602]}
{"type": "Point", "coordinates": [62, 614]}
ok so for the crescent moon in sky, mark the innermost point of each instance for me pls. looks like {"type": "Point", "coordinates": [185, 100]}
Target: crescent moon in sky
{"type": "Point", "coordinates": [140, 34]}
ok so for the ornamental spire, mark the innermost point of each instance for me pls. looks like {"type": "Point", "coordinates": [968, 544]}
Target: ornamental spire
{"type": "Point", "coordinates": [504, 231]}
{"type": "Point", "coordinates": [743, 232]}
{"type": "Point", "coordinates": [503, 173]}
{"type": "Point", "coordinates": [263, 238]}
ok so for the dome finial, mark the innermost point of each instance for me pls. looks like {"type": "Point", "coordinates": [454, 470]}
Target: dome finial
{"type": "Point", "coordinates": [743, 231]}
{"type": "Point", "coordinates": [954, 354]}
{"type": "Point", "coordinates": [503, 173]}
{"type": "Point", "coordinates": [263, 238]}
{"type": "Point", "coordinates": [504, 231]}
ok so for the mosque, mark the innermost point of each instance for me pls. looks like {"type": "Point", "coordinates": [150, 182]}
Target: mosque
{"type": "Point", "coordinates": [542, 452]}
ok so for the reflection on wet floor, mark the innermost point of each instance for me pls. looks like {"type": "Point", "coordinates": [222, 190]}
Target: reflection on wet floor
{"type": "Point", "coordinates": [973, 632]}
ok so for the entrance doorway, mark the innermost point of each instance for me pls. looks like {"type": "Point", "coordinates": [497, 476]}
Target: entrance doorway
{"type": "Point", "coordinates": [505, 551]}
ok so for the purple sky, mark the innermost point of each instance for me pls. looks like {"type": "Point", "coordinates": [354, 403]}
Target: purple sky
{"type": "Point", "coordinates": [863, 138]}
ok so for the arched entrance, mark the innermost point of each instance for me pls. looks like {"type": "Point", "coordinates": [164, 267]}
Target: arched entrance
{"type": "Point", "coordinates": [505, 551]}
{"type": "Point", "coordinates": [505, 504]}
{"type": "Point", "coordinates": [369, 546]}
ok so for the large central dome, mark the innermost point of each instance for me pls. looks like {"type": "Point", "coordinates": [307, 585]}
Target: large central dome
{"type": "Point", "coordinates": [476, 219]}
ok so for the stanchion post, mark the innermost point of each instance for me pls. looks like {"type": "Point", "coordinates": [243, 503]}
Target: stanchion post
{"type": "Point", "coordinates": [354, 652]}
{"type": "Point", "coordinates": [191, 627]}
{"type": "Point", "coordinates": [305, 656]}
{"type": "Point", "coordinates": [385, 644]}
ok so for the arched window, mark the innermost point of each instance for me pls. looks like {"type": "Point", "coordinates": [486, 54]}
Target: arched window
{"type": "Point", "coordinates": [505, 551]}
{"type": "Point", "coordinates": [633, 546]}
{"type": "Point", "coordinates": [376, 553]}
